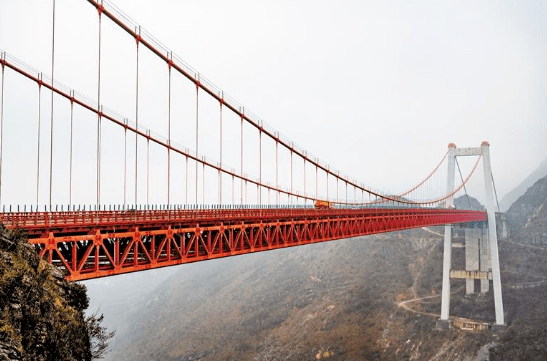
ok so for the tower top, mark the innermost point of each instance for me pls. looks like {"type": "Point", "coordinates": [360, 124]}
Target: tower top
{"type": "Point", "coordinates": [451, 145]}
{"type": "Point", "coordinates": [485, 143]}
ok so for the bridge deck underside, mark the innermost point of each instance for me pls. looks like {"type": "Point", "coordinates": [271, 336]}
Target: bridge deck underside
{"type": "Point", "coordinates": [88, 245]}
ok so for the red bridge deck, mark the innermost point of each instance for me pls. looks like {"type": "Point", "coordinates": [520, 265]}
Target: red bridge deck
{"type": "Point", "coordinates": [102, 243]}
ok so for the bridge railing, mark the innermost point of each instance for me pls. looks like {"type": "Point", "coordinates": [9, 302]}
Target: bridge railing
{"type": "Point", "coordinates": [35, 221]}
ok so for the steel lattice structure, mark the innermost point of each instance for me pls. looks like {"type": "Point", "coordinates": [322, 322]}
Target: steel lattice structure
{"type": "Point", "coordinates": [96, 244]}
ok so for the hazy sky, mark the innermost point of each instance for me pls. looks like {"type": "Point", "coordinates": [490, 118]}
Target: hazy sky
{"type": "Point", "coordinates": [375, 88]}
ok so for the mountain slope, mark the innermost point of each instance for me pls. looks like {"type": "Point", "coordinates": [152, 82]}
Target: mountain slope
{"type": "Point", "coordinates": [274, 304]}
{"type": "Point", "coordinates": [468, 202]}
{"type": "Point", "coordinates": [512, 196]}
{"type": "Point", "coordinates": [334, 300]}
{"type": "Point", "coordinates": [527, 217]}
{"type": "Point", "coordinates": [525, 262]}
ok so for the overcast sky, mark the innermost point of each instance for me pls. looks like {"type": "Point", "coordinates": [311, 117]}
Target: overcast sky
{"type": "Point", "coordinates": [375, 88]}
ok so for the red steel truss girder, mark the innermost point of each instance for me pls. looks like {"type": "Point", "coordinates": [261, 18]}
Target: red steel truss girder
{"type": "Point", "coordinates": [110, 248]}
{"type": "Point", "coordinates": [40, 224]}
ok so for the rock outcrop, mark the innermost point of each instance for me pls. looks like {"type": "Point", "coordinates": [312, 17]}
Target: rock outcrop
{"type": "Point", "coordinates": [41, 314]}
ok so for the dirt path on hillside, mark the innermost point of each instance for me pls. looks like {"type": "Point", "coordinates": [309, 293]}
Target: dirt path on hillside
{"type": "Point", "coordinates": [524, 245]}
{"type": "Point", "coordinates": [413, 288]}
{"type": "Point", "coordinates": [404, 304]}
{"type": "Point", "coordinates": [432, 232]}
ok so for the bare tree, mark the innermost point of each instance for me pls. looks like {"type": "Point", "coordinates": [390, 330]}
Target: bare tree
{"type": "Point", "coordinates": [98, 336]}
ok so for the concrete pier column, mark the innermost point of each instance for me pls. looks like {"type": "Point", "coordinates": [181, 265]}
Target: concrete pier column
{"type": "Point", "coordinates": [504, 229]}
{"type": "Point", "coordinates": [472, 236]}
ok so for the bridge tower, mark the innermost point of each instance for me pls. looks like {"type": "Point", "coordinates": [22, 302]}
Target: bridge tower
{"type": "Point", "coordinates": [454, 152]}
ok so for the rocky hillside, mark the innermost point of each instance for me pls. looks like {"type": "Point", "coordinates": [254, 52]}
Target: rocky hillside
{"type": "Point", "coordinates": [513, 195]}
{"type": "Point", "coordinates": [527, 217]}
{"type": "Point", "coordinates": [41, 314]}
{"type": "Point", "coordinates": [524, 274]}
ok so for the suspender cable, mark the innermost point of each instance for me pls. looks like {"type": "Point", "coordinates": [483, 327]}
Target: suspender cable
{"type": "Point", "coordinates": [258, 198]}
{"type": "Point", "coordinates": [137, 39]}
{"type": "Point", "coordinates": [277, 169]}
{"type": "Point", "coordinates": [220, 155]}
{"type": "Point", "coordinates": [147, 167]}
{"type": "Point", "coordinates": [327, 174]}
{"type": "Point", "coordinates": [337, 187]}
{"type": "Point", "coordinates": [305, 194]}
{"type": "Point", "coordinates": [125, 164]}
{"type": "Point", "coordinates": [169, 139]}
{"type": "Point", "coordinates": [197, 135]}
{"type": "Point", "coordinates": [39, 125]}
{"type": "Point", "coordinates": [203, 183]}
{"type": "Point", "coordinates": [98, 118]}
{"type": "Point", "coordinates": [291, 176]}
{"type": "Point", "coordinates": [259, 166]}
{"type": "Point", "coordinates": [71, 146]}
{"type": "Point", "coordinates": [51, 119]}
{"type": "Point", "coordinates": [316, 182]}
{"type": "Point", "coordinates": [241, 150]}
{"type": "Point", "coordinates": [186, 176]}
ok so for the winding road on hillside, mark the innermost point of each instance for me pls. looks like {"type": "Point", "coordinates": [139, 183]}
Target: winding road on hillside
{"type": "Point", "coordinates": [524, 245]}
{"type": "Point", "coordinates": [404, 304]}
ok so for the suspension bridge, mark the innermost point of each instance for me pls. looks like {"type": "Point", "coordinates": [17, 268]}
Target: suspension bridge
{"type": "Point", "coordinates": [116, 193]}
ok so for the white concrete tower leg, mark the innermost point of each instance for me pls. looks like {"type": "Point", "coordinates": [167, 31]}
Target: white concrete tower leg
{"type": "Point", "coordinates": [492, 235]}
{"type": "Point", "coordinates": [447, 257]}
{"type": "Point", "coordinates": [485, 262]}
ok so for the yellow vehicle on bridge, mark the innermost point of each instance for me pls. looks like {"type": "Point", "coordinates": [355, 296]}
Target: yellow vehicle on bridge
{"type": "Point", "coordinates": [323, 205]}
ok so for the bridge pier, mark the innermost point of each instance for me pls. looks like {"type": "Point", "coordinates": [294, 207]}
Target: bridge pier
{"type": "Point", "coordinates": [502, 224]}
{"type": "Point", "coordinates": [478, 264]}
{"type": "Point", "coordinates": [477, 257]}
{"type": "Point", "coordinates": [472, 240]}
